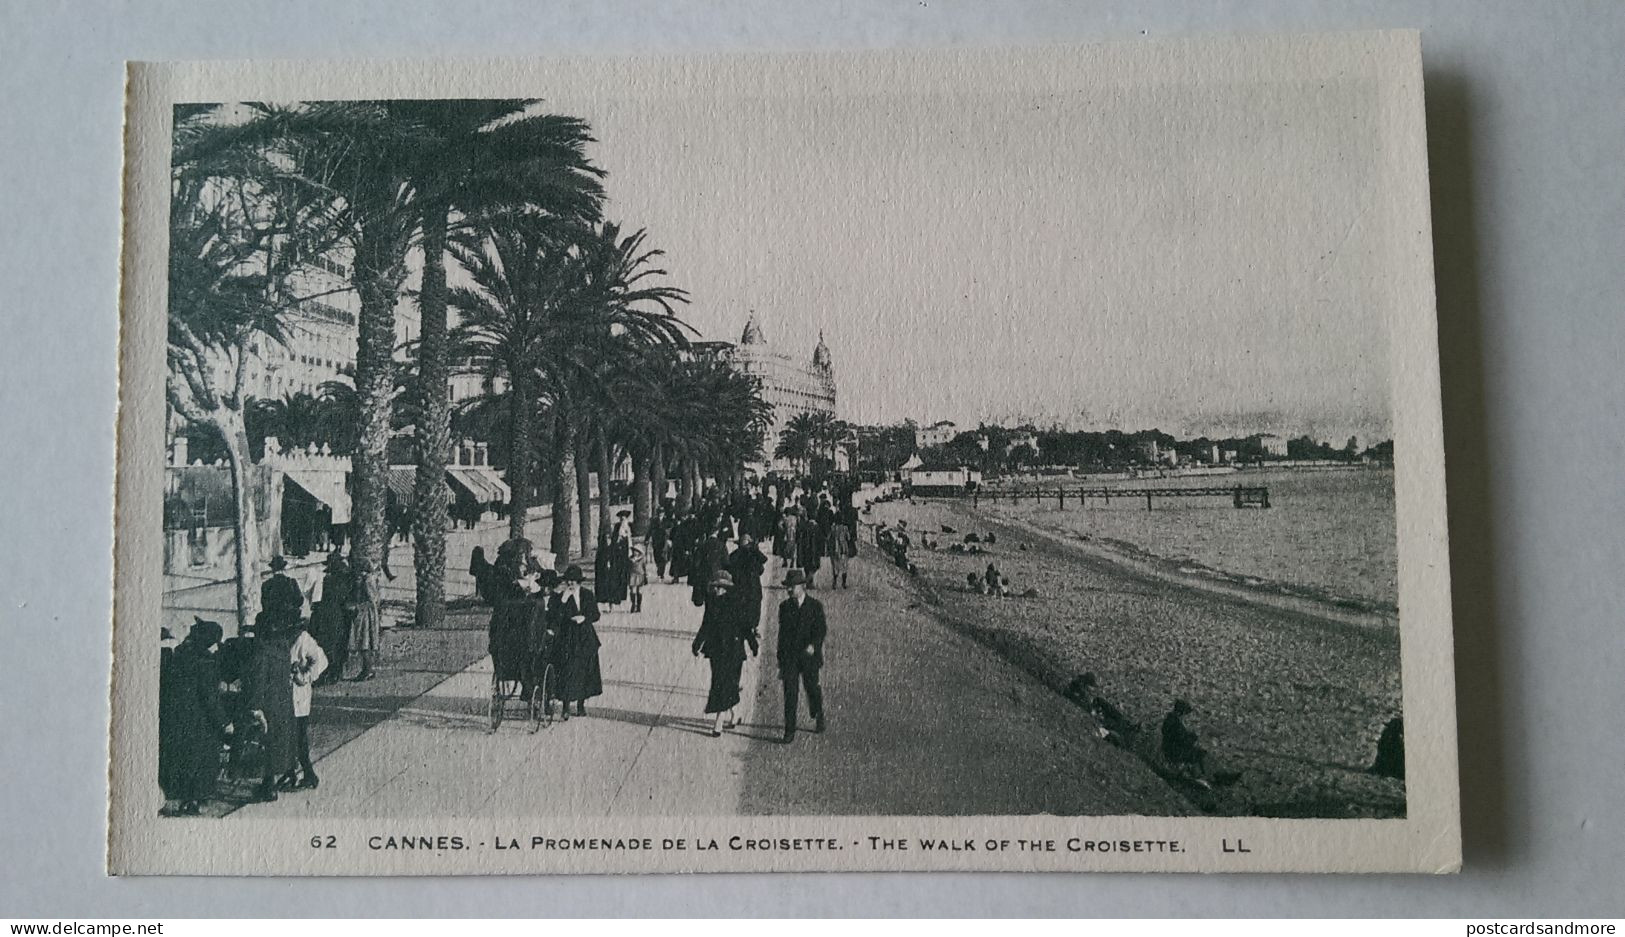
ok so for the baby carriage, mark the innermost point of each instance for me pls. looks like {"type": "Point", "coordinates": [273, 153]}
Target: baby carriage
{"type": "Point", "coordinates": [523, 668]}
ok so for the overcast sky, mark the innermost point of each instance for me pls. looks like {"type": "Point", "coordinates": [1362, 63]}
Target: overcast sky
{"type": "Point", "coordinates": [1198, 259]}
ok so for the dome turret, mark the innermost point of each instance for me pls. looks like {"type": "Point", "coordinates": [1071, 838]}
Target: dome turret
{"type": "Point", "coordinates": [821, 353]}
{"type": "Point", "coordinates": [753, 332]}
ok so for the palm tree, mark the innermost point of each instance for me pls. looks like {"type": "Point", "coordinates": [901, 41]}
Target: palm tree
{"type": "Point", "coordinates": [478, 158]}
{"type": "Point", "coordinates": [508, 315]}
{"type": "Point", "coordinates": [237, 231]}
{"type": "Point", "coordinates": [633, 313]}
{"type": "Point", "coordinates": [352, 160]}
{"type": "Point", "coordinates": [799, 440]}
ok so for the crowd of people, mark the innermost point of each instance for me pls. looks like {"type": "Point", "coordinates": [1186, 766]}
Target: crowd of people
{"type": "Point", "coordinates": [715, 550]}
{"type": "Point", "coordinates": [239, 707]}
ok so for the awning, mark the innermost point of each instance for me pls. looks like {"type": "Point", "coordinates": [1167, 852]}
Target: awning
{"type": "Point", "coordinates": [403, 483]}
{"type": "Point", "coordinates": [325, 485]}
{"type": "Point", "coordinates": [468, 478]}
{"type": "Point", "coordinates": [491, 478]}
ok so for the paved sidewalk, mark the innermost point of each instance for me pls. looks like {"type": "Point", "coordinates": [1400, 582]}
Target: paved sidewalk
{"type": "Point", "coordinates": [923, 721]}
{"type": "Point", "coordinates": [644, 747]}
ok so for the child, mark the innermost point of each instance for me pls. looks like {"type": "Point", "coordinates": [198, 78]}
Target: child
{"type": "Point", "coordinates": [638, 576]}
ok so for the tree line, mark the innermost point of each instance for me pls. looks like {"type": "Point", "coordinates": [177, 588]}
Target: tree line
{"type": "Point", "coordinates": [568, 316]}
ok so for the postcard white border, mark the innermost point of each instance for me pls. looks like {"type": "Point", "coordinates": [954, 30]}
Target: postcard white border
{"type": "Point", "coordinates": [1426, 840]}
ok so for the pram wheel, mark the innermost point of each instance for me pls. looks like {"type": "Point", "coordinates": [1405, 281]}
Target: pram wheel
{"type": "Point", "coordinates": [494, 706]}
{"type": "Point", "coordinates": [541, 700]}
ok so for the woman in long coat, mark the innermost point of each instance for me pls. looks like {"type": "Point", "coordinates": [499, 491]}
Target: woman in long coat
{"type": "Point", "coordinates": [365, 624]}
{"type": "Point", "coordinates": [191, 720]}
{"type": "Point", "coordinates": [746, 565]}
{"type": "Point", "coordinates": [724, 633]}
{"type": "Point", "coordinates": [570, 617]}
{"type": "Point", "coordinates": [268, 698]}
{"type": "Point", "coordinates": [329, 620]}
{"type": "Point", "coordinates": [512, 608]}
{"type": "Point", "coordinates": [682, 544]}
{"type": "Point", "coordinates": [611, 583]}
{"type": "Point", "coordinates": [809, 546]}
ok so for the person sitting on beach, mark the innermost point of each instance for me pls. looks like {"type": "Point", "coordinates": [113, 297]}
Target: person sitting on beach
{"type": "Point", "coordinates": [995, 581]}
{"type": "Point", "coordinates": [990, 538]}
{"type": "Point", "coordinates": [975, 583]}
{"type": "Point", "coordinates": [1180, 748]}
{"type": "Point", "coordinates": [1110, 723]}
{"type": "Point", "coordinates": [1390, 761]}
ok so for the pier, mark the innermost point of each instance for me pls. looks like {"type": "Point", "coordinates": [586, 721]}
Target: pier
{"type": "Point", "coordinates": [1241, 496]}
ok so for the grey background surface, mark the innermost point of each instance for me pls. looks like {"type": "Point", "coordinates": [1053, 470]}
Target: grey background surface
{"type": "Point", "coordinates": [1527, 132]}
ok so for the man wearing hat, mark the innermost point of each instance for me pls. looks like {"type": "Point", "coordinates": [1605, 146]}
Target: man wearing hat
{"type": "Point", "coordinates": [280, 595]}
{"type": "Point", "coordinates": [570, 616]}
{"type": "Point", "coordinates": [801, 651]}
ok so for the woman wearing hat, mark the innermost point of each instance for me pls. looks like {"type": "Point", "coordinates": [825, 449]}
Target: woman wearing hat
{"type": "Point", "coordinates": [724, 632]}
{"type": "Point", "coordinates": [611, 562]}
{"type": "Point", "coordinates": [570, 617]}
{"type": "Point", "coordinates": [329, 622]}
{"type": "Point", "coordinates": [366, 627]}
{"type": "Point", "coordinates": [191, 719]}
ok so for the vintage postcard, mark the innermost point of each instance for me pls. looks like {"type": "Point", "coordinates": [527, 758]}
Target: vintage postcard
{"type": "Point", "coordinates": [1020, 460]}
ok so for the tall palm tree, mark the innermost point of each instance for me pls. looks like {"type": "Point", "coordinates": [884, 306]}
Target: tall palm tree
{"type": "Point", "coordinates": [799, 440]}
{"type": "Point", "coordinates": [519, 280]}
{"type": "Point", "coordinates": [353, 159]}
{"type": "Point", "coordinates": [237, 231]}
{"type": "Point", "coordinates": [478, 158]}
{"type": "Point", "coordinates": [623, 310]}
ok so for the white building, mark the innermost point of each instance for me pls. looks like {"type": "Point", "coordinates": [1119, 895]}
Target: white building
{"type": "Point", "coordinates": [791, 385]}
{"type": "Point", "coordinates": [927, 479]}
{"type": "Point", "coordinates": [939, 433]}
{"type": "Point", "coordinates": [1272, 445]}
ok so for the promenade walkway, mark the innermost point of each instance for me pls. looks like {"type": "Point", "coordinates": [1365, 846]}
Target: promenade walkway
{"type": "Point", "coordinates": [922, 721]}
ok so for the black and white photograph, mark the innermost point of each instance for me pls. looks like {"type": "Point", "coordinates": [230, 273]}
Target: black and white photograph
{"type": "Point", "coordinates": [953, 449]}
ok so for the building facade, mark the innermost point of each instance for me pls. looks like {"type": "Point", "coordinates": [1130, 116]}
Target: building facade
{"type": "Point", "coordinates": [791, 385]}
{"type": "Point", "coordinates": [939, 433]}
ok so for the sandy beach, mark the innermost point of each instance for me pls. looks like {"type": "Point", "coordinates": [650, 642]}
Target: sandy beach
{"type": "Point", "coordinates": [1292, 699]}
{"type": "Point", "coordinates": [1329, 534]}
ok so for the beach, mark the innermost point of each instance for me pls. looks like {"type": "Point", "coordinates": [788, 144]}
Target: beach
{"type": "Point", "coordinates": [1328, 534]}
{"type": "Point", "coordinates": [1290, 698]}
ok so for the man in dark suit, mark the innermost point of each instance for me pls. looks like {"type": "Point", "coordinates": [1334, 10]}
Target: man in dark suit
{"type": "Point", "coordinates": [801, 652]}
{"type": "Point", "coordinates": [281, 596]}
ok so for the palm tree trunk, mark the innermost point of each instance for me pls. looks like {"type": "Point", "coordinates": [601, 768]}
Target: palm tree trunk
{"type": "Point", "coordinates": [430, 501]}
{"type": "Point", "coordinates": [377, 279]}
{"type": "Point", "coordinates": [642, 492]}
{"type": "Point", "coordinates": [229, 424]}
{"type": "Point", "coordinates": [564, 490]}
{"type": "Point", "coordinates": [685, 485]}
{"type": "Point", "coordinates": [601, 460]}
{"type": "Point", "coordinates": [657, 474]}
{"type": "Point", "coordinates": [583, 467]}
{"type": "Point", "coordinates": [520, 444]}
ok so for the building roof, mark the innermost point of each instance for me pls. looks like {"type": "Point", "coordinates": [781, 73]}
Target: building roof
{"type": "Point", "coordinates": [821, 353]}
